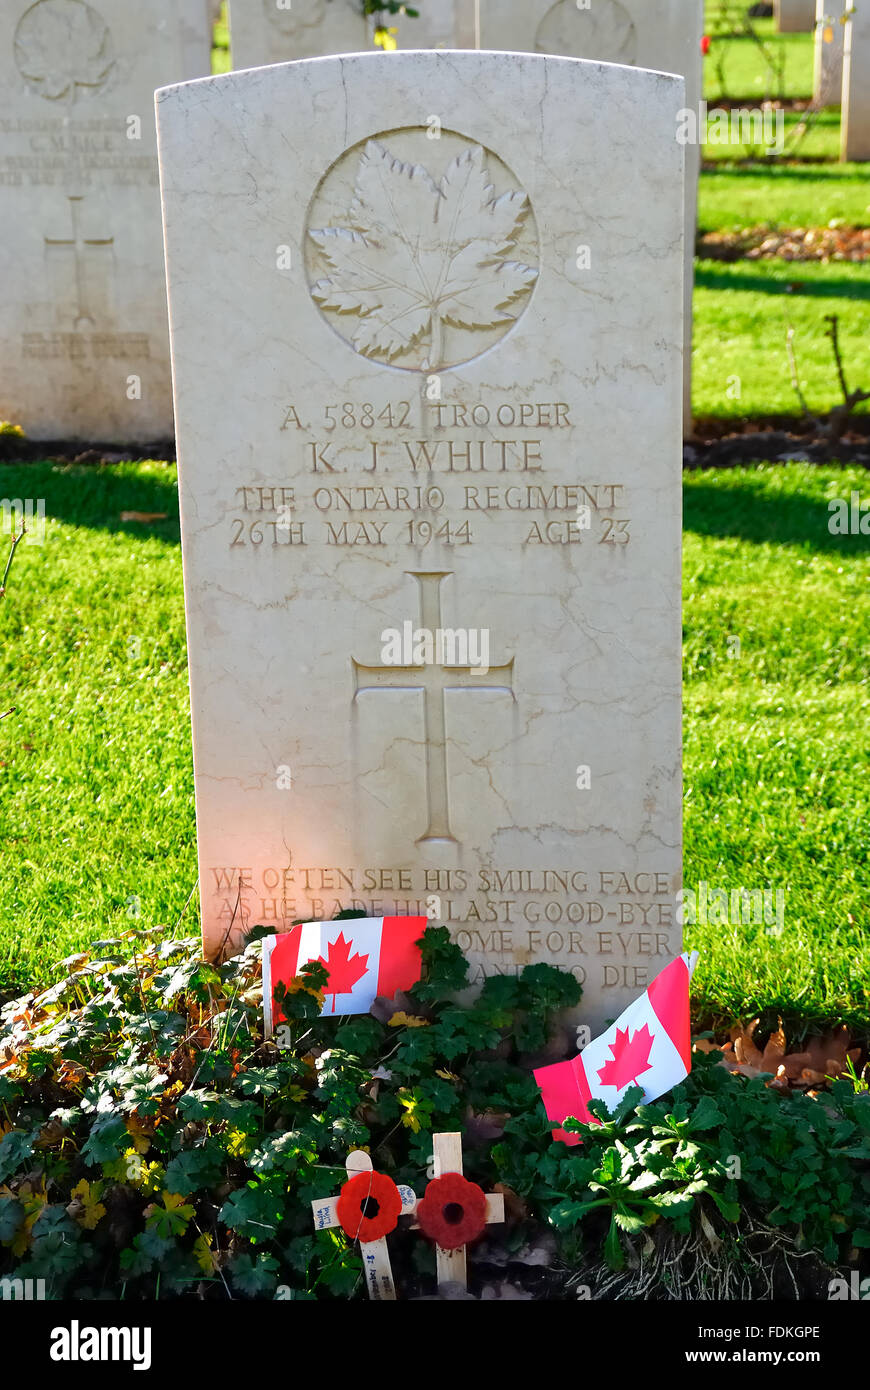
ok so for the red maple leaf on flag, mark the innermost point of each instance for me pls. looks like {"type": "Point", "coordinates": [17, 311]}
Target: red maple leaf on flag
{"type": "Point", "coordinates": [344, 969]}
{"type": "Point", "coordinates": [628, 1059]}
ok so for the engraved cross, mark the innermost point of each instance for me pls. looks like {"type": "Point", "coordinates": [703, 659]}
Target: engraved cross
{"type": "Point", "coordinates": [434, 680]}
{"type": "Point", "coordinates": [84, 317]}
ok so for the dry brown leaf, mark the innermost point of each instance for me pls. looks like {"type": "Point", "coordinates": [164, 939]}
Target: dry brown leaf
{"type": "Point", "coordinates": [745, 1050]}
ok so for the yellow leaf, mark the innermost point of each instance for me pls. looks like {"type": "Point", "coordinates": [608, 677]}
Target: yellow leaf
{"type": "Point", "coordinates": [204, 1255]}
{"type": "Point", "coordinates": [446, 1075]}
{"type": "Point", "coordinates": [131, 1168]}
{"type": "Point", "coordinates": [141, 1141]}
{"type": "Point", "coordinates": [386, 39]}
{"type": "Point", "coordinates": [174, 1201]}
{"type": "Point", "coordinates": [33, 1199]}
{"type": "Point", "coordinates": [403, 1020]}
{"type": "Point", "coordinates": [152, 1177]}
{"type": "Point", "coordinates": [85, 1208]}
{"type": "Point", "coordinates": [238, 1143]}
{"type": "Point", "coordinates": [300, 984]}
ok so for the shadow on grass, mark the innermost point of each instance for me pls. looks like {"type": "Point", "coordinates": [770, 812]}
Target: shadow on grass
{"type": "Point", "coordinates": [765, 171]}
{"type": "Point", "coordinates": [729, 279]}
{"type": "Point", "coordinates": [794, 519]}
{"type": "Point", "coordinates": [95, 497]}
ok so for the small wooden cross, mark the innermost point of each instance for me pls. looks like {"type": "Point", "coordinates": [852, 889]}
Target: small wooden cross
{"type": "Point", "coordinates": [447, 1154]}
{"type": "Point", "coordinates": [375, 1254]}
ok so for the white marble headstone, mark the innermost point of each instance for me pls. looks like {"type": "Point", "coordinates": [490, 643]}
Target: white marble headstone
{"type": "Point", "coordinates": [269, 31]}
{"type": "Point", "coordinates": [664, 35]}
{"type": "Point", "coordinates": [429, 422]}
{"type": "Point", "coordinates": [828, 56]}
{"type": "Point", "coordinates": [855, 129]}
{"type": "Point", "coordinates": [794, 16]}
{"type": "Point", "coordinates": [438, 24]}
{"type": "Point", "coordinates": [84, 346]}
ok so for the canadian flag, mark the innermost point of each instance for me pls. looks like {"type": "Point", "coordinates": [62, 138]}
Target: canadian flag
{"type": "Point", "coordinates": [365, 957]}
{"type": "Point", "coordinates": [649, 1045]}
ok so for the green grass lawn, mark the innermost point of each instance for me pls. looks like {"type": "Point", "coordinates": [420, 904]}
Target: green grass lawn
{"type": "Point", "coordinates": [750, 72]}
{"type": "Point", "coordinates": [776, 791]}
{"type": "Point", "coordinates": [97, 780]}
{"type": "Point", "coordinates": [743, 311]}
{"type": "Point", "coordinates": [787, 195]}
{"type": "Point", "coordinates": [97, 788]}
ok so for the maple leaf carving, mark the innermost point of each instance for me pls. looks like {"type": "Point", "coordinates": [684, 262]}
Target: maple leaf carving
{"type": "Point", "coordinates": [416, 254]}
{"type": "Point", "coordinates": [344, 969]}
{"type": "Point", "coordinates": [628, 1060]}
{"type": "Point", "coordinates": [62, 45]}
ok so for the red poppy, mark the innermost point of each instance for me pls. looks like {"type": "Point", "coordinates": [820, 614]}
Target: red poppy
{"type": "Point", "coordinates": [705, 44]}
{"type": "Point", "coordinates": [453, 1211]}
{"type": "Point", "coordinates": [356, 1200]}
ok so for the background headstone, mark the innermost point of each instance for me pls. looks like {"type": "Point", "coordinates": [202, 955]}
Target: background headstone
{"type": "Point", "coordinates": [430, 384]}
{"type": "Point", "coordinates": [794, 16]}
{"type": "Point", "coordinates": [855, 130]}
{"type": "Point", "coordinates": [262, 31]}
{"type": "Point", "coordinates": [664, 35]}
{"type": "Point", "coordinates": [84, 345]}
{"type": "Point", "coordinates": [828, 58]}
{"type": "Point", "coordinates": [439, 24]}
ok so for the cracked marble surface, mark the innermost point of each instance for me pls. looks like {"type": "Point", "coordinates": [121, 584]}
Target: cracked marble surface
{"type": "Point", "coordinates": [313, 793]}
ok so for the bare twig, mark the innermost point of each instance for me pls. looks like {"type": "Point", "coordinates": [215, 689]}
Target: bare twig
{"type": "Point", "coordinates": [839, 416]}
{"type": "Point", "coordinates": [144, 1005]}
{"type": "Point", "coordinates": [186, 905]}
{"type": "Point", "coordinates": [833, 426]}
{"type": "Point", "coordinates": [795, 378]}
{"type": "Point", "coordinates": [218, 955]}
{"type": "Point", "coordinates": [11, 556]}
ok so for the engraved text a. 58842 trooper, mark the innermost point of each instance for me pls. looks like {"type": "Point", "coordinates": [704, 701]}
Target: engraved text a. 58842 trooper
{"type": "Point", "coordinates": [434, 680]}
{"type": "Point", "coordinates": [414, 255]}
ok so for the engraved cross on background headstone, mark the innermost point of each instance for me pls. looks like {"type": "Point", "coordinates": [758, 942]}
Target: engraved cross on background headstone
{"type": "Point", "coordinates": [84, 316]}
{"type": "Point", "coordinates": [434, 680]}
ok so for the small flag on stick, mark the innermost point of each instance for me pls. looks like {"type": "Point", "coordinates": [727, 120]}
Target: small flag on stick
{"type": "Point", "coordinates": [649, 1045]}
{"type": "Point", "coordinates": [365, 957]}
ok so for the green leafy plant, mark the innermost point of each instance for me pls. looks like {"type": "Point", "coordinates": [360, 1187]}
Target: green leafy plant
{"type": "Point", "coordinates": [148, 1128]}
{"type": "Point", "coordinates": [153, 1144]}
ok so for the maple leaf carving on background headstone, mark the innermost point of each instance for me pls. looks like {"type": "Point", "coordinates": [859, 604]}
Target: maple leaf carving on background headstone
{"type": "Point", "coordinates": [628, 1060]}
{"type": "Point", "coordinates": [344, 969]}
{"type": "Point", "coordinates": [416, 254]}
{"type": "Point", "coordinates": [61, 46]}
